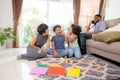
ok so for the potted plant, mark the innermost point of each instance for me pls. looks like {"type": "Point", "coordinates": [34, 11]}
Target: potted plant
{"type": "Point", "coordinates": [6, 33]}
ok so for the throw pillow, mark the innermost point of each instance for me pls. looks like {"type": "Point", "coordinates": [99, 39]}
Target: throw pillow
{"type": "Point", "coordinates": [107, 36]}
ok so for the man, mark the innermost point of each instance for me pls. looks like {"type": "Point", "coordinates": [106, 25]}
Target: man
{"type": "Point", "coordinates": [95, 26]}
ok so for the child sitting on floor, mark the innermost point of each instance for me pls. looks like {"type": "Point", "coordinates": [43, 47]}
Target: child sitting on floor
{"type": "Point", "coordinates": [73, 34]}
{"type": "Point", "coordinates": [57, 41]}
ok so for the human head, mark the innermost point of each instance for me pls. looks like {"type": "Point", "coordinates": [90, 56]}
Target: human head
{"type": "Point", "coordinates": [43, 29]}
{"type": "Point", "coordinates": [76, 29]}
{"type": "Point", "coordinates": [97, 17]}
{"type": "Point", "coordinates": [57, 29]}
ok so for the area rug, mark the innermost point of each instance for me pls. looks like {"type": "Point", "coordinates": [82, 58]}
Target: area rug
{"type": "Point", "coordinates": [106, 72]}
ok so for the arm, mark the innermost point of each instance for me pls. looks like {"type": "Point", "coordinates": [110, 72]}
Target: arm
{"type": "Point", "coordinates": [87, 28]}
{"type": "Point", "coordinates": [48, 42]}
{"type": "Point", "coordinates": [54, 50]}
{"type": "Point", "coordinates": [101, 27]}
{"type": "Point", "coordinates": [65, 36]}
{"type": "Point", "coordinates": [66, 39]}
{"type": "Point", "coordinates": [72, 38]}
{"type": "Point", "coordinates": [32, 43]}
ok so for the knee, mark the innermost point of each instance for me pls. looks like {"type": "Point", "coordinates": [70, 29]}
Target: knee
{"type": "Point", "coordinates": [70, 50]}
{"type": "Point", "coordinates": [43, 54]}
{"type": "Point", "coordinates": [48, 50]}
{"type": "Point", "coordinates": [66, 52]}
{"type": "Point", "coordinates": [82, 34]}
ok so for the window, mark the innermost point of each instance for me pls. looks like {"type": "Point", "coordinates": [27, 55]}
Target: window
{"type": "Point", "coordinates": [51, 12]}
{"type": "Point", "coordinates": [88, 9]}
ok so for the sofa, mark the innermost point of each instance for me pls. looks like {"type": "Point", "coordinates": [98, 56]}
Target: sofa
{"type": "Point", "coordinates": [110, 51]}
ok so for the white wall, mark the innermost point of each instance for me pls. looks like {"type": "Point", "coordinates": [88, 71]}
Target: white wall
{"type": "Point", "coordinates": [112, 9]}
{"type": "Point", "coordinates": [6, 15]}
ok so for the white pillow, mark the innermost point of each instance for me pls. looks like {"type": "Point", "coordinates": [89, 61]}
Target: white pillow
{"type": "Point", "coordinates": [115, 28]}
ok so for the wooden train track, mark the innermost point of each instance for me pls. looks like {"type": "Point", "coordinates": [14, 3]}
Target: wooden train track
{"type": "Point", "coordinates": [68, 61]}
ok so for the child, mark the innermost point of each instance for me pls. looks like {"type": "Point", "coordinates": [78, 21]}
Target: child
{"type": "Point", "coordinates": [36, 47]}
{"type": "Point", "coordinates": [58, 47]}
{"type": "Point", "coordinates": [73, 34]}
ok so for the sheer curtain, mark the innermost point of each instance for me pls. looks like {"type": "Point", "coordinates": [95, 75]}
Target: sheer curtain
{"type": "Point", "coordinates": [87, 10]}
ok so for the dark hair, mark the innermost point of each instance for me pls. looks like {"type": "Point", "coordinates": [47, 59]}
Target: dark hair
{"type": "Point", "coordinates": [56, 26]}
{"type": "Point", "coordinates": [41, 28]}
{"type": "Point", "coordinates": [98, 15]}
{"type": "Point", "coordinates": [72, 25]}
{"type": "Point", "coordinates": [76, 29]}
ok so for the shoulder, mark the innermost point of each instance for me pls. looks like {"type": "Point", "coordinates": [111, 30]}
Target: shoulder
{"type": "Point", "coordinates": [53, 37]}
{"type": "Point", "coordinates": [101, 22]}
{"type": "Point", "coordinates": [35, 35]}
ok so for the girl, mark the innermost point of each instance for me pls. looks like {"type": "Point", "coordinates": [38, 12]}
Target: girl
{"type": "Point", "coordinates": [73, 34]}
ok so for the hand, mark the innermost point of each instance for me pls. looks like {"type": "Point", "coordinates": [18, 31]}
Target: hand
{"type": "Point", "coordinates": [91, 21]}
{"type": "Point", "coordinates": [42, 48]}
{"type": "Point", "coordinates": [68, 46]}
{"type": "Point", "coordinates": [63, 32]}
{"type": "Point", "coordinates": [69, 31]}
{"type": "Point", "coordinates": [55, 54]}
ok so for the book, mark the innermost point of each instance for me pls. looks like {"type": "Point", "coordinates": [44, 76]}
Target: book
{"type": "Point", "coordinates": [39, 71]}
{"type": "Point", "coordinates": [74, 72]}
{"type": "Point", "coordinates": [56, 65]}
{"type": "Point", "coordinates": [42, 65]}
{"type": "Point", "coordinates": [58, 71]}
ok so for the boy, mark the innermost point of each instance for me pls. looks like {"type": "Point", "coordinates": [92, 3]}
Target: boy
{"type": "Point", "coordinates": [57, 41]}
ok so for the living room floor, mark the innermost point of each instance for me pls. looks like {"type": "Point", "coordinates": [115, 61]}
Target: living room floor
{"type": "Point", "coordinates": [13, 69]}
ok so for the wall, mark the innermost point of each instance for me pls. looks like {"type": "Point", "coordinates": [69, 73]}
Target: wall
{"type": "Point", "coordinates": [112, 9]}
{"type": "Point", "coordinates": [6, 15]}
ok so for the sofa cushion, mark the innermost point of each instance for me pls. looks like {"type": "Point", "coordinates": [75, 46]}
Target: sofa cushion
{"type": "Point", "coordinates": [115, 28]}
{"type": "Point", "coordinates": [113, 22]}
{"type": "Point", "coordinates": [107, 36]}
{"type": "Point", "coordinates": [112, 48]}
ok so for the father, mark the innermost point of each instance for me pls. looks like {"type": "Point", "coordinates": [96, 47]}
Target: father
{"type": "Point", "coordinates": [95, 26]}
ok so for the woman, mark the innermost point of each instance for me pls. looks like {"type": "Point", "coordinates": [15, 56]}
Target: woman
{"type": "Point", "coordinates": [73, 34]}
{"type": "Point", "coordinates": [37, 47]}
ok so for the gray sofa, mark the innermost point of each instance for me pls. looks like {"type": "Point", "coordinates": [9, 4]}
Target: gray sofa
{"type": "Point", "coordinates": [110, 51]}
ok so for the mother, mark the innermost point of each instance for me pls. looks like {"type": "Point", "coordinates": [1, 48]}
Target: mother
{"type": "Point", "coordinates": [37, 47]}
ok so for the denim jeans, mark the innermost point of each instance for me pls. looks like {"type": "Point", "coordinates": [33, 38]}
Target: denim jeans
{"type": "Point", "coordinates": [61, 52]}
{"type": "Point", "coordinates": [83, 37]}
{"type": "Point", "coordinates": [75, 51]}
